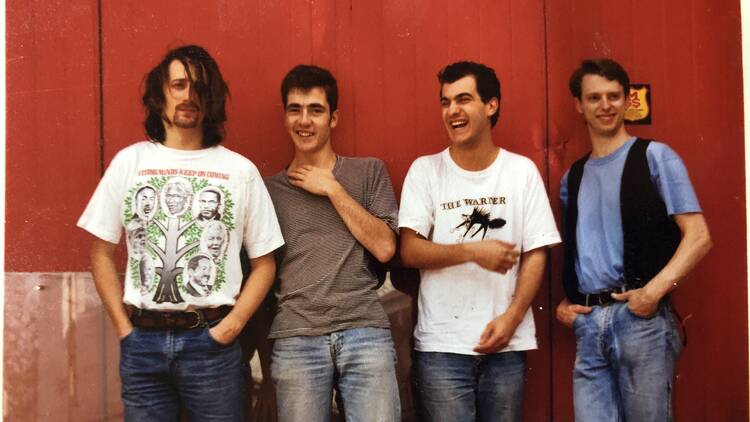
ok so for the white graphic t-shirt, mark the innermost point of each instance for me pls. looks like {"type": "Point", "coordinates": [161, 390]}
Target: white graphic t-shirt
{"type": "Point", "coordinates": [186, 215]}
{"type": "Point", "coordinates": [446, 204]}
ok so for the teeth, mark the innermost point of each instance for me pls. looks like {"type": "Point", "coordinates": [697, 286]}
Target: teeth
{"type": "Point", "coordinates": [304, 134]}
{"type": "Point", "coordinates": [459, 123]}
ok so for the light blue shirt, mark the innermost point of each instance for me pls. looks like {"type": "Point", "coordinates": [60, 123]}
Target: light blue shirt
{"type": "Point", "coordinates": [599, 264]}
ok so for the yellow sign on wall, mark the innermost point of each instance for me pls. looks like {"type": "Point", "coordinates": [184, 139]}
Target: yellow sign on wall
{"type": "Point", "coordinates": [638, 111]}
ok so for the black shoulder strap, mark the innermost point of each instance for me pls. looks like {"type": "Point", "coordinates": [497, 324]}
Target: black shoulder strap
{"type": "Point", "coordinates": [570, 280]}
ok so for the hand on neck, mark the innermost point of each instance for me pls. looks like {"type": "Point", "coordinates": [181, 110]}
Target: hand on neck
{"type": "Point", "coordinates": [324, 158]}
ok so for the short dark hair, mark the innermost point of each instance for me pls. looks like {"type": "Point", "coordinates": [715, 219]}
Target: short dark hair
{"type": "Point", "coordinates": [306, 77]}
{"type": "Point", "coordinates": [213, 190]}
{"type": "Point", "coordinates": [209, 87]}
{"type": "Point", "coordinates": [142, 188]}
{"type": "Point", "coordinates": [488, 85]}
{"type": "Point", "coordinates": [606, 68]}
{"type": "Point", "coordinates": [194, 261]}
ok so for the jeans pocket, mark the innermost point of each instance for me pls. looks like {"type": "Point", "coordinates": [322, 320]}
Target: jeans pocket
{"type": "Point", "coordinates": [579, 322]}
{"type": "Point", "coordinates": [129, 336]}
{"type": "Point", "coordinates": [207, 332]}
{"type": "Point", "coordinates": [644, 318]}
{"type": "Point", "coordinates": [577, 318]}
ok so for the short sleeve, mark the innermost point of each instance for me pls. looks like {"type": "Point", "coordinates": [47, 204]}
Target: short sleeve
{"type": "Point", "coordinates": [381, 201]}
{"type": "Point", "coordinates": [262, 234]}
{"type": "Point", "coordinates": [539, 223]}
{"type": "Point", "coordinates": [417, 207]}
{"type": "Point", "coordinates": [102, 214]}
{"type": "Point", "coordinates": [671, 178]}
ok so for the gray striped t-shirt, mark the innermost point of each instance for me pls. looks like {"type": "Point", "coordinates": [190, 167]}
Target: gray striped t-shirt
{"type": "Point", "coordinates": [326, 280]}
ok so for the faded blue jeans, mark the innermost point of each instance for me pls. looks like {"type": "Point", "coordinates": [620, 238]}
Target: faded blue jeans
{"type": "Point", "coordinates": [456, 388]}
{"type": "Point", "coordinates": [360, 363]}
{"type": "Point", "coordinates": [625, 364]}
{"type": "Point", "coordinates": [163, 369]}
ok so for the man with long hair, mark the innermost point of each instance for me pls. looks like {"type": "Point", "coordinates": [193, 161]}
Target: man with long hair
{"type": "Point", "coordinates": [177, 349]}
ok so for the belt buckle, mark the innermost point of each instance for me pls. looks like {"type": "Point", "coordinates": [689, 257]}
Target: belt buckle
{"type": "Point", "coordinates": [168, 318]}
{"type": "Point", "coordinates": [198, 318]}
{"type": "Point", "coordinates": [601, 297]}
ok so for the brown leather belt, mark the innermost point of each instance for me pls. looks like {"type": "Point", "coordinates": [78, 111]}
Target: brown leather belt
{"type": "Point", "coordinates": [179, 320]}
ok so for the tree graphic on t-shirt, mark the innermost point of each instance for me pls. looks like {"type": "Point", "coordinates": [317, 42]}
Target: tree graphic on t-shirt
{"type": "Point", "coordinates": [166, 290]}
{"type": "Point", "coordinates": [173, 240]}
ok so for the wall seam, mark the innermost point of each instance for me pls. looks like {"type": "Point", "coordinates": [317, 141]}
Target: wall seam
{"type": "Point", "coordinates": [745, 60]}
{"type": "Point", "coordinates": [546, 168]}
{"type": "Point", "coordinates": [101, 86]}
{"type": "Point", "coordinates": [103, 316]}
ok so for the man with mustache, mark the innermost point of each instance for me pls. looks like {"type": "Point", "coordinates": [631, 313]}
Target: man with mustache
{"type": "Point", "coordinates": [208, 205]}
{"type": "Point", "coordinates": [145, 202]}
{"type": "Point", "coordinates": [199, 276]}
{"type": "Point", "coordinates": [179, 350]}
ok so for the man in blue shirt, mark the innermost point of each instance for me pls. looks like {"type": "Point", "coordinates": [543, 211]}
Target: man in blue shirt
{"type": "Point", "coordinates": [633, 231]}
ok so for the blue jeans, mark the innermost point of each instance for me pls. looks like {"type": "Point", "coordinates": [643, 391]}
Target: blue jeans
{"type": "Point", "coordinates": [360, 363]}
{"type": "Point", "coordinates": [164, 369]}
{"type": "Point", "coordinates": [624, 364]}
{"type": "Point", "coordinates": [454, 387]}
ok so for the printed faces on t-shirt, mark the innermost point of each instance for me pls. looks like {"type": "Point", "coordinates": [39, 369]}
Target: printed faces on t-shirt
{"type": "Point", "coordinates": [178, 229]}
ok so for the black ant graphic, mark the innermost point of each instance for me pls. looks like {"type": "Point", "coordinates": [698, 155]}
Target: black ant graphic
{"type": "Point", "coordinates": [482, 218]}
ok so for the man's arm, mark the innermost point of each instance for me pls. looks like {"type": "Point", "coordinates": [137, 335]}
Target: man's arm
{"type": "Point", "coordinates": [371, 232]}
{"type": "Point", "coordinates": [418, 252]}
{"type": "Point", "coordinates": [108, 285]}
{"type": "Point", "coordinates": [695, 244]}
{"type": "Point", "coordinates": [499, 331]}
{"type": "Point", "coordinates": [252, 295]}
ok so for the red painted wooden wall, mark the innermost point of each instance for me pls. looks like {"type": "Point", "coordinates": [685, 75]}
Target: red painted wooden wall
{"type": "Point", "coordinates": [689, 51]}
{"type": "Point", "coordinates": [75, 69]}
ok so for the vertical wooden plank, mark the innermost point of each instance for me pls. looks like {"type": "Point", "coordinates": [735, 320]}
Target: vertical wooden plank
{"type": "Point", "coordinates": [689, 53]}
{"type": "Point", "coordinates": [52, 126]}
{"type": "Point", "coordinates": [516, 36]}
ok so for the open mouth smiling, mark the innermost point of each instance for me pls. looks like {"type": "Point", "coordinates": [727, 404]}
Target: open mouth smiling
{"type": "Point", "coordinates": [457, 124]}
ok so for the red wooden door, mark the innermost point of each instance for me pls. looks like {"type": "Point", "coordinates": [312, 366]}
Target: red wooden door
{"type": "Point", "coordinates": [74, 75]}
{"type": "Point", "coordinates": [689, 52]}
{"type": "Point", "coordinates": [385, 56]}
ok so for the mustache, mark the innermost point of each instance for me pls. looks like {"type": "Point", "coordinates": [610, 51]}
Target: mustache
{"type": "Point", "coordinates": [188, 106]}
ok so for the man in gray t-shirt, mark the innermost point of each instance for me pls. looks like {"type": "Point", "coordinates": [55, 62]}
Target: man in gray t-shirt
{"type": "Point", "coordinates": [338, 217]}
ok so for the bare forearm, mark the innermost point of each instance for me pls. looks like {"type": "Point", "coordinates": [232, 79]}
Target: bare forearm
{"type": "Point", "coordinates": [254, 291]}
{"type": "Point", "coordinates": [529, 280]}
{"type": "Point", "coordinates": [695, 244]}
{"type": "Point", "coordinates": [493, 255]}
{"type": "Point", "coordinates": [108, 285]}
{"type": "Point", "coordinates": [418, 252]}
{"type": "Point", "coordinates": [371, 232]}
